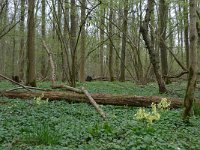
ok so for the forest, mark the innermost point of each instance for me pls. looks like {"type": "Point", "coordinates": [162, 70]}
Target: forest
{"type": "Point", "coordinates": [100, 74]}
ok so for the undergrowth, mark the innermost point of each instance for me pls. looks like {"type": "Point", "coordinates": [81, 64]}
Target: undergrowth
{"type": "Point", "coordinates": [60, 125]}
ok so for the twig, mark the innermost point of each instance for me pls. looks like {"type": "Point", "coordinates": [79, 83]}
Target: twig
{"type": "Point", "coordinates": [25, 87]}
{"type": "Point", "coordinates": [178, 75]}
{"type": "Point", "coordinates": [67, 88]}
{"type": "Point", "coordinates": [93, 102]}
{"type": "Point", "coordinates": [83, 91]}
{"type": "Point", "coordinates": [29, 87]}
{"type": "Point", "coordinates": [53, 74]}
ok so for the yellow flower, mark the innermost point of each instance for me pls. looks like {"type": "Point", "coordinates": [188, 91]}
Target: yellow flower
{"type": "Point", "coordinates": [153, 107]}
{"type": "Point", "coordinates": [140, 114]}
{"type": "Point", "coordinates": [164, 104]}
{"type": "Point", "coordinates": [148, 116]}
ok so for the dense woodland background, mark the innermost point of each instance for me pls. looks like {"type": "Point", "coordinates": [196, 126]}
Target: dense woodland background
{"type": "Point", "coordinates": [58, 45]}
{"type": "Point", "coordinates": [95, 38]}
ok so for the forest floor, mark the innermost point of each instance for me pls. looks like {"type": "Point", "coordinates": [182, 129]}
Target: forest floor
{"type": "Point", "coordinates": [60, 125]}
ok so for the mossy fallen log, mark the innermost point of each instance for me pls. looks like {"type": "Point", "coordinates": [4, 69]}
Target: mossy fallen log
{"type": "Point", "coordinates": [139, 101]}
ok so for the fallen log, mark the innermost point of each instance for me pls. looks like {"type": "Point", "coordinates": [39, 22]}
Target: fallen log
{"type": "Point", "coordinates": [139, 101]}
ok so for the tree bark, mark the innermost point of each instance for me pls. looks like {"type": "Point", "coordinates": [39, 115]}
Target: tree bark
{"type": "Point", "coordinates": [43, 31]}
{"type": "Point", "coordinates": [123, 51]}
{"type": "Point", "coordinates": [163, 17]}
{"type": "Point", "coordinates": [185, 13]}
{"type": "Point", "coordinates": [189, 96]}
{"type": "Point", "coordinates": [110, 65]}
{"type": "Point", "coordinates": [65, 55]}
{"type": "Point", "coordinates": [101, 53]}
{"type": "Point", "coordinates": [14, 43]}
{"type": "Point", "coordinates": [152, 53]}
{"type": "Point", "coordinates": [73, 43]}
{"type": "Point", "coordinates": [22, 50]}
{"type": "Point", "coordinates": [108, 99]}
{"type": "Point", "coordinates": [31, 70]}
{"type": "Point", "coordinates": [83, 37]}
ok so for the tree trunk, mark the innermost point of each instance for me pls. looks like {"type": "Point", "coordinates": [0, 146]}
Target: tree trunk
{"type": "Point", "coordinates": [13, 55]}
{"type": "Point", "coordinates": [14, 43]}
{"type": "Point", "coordinates": [22, 48]}
{"type": "Point", "coordinates": [163, 17]}
{"type": "Point", "coordinates": [83, 37]}
{"type": "Point", "coordinates": [185, 12]}
{"type": "Point", "coordinates": [101, 54]}
{"type": "Point", "coordinates": [123, 51]}
{"type": "Point", "coordinates": [189, 96]}
{"type": "Point", "coordinates": [152, 53]}
{"type": "Point", "coordinates": [181, 30]}
{"type": "Point", "coordinates": [110, 65]}
{"type": "Point", "coordinates": [73, 43]}
{"type": "Point", "coordinates": [139, 67]}
{"type": "Point", "coordinates": [31, 70]}
{"type": "Point", "coordinates": [43, 30]}
{"type": "Point", "coordinates": [65, 57]}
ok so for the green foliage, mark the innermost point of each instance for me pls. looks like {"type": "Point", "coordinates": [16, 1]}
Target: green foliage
{"type": "Point", "coordinates": [196, 109]}
{"type": "Point", "coordinates": [60, 125]}
{"type": "Point", "coordinates": [42, 134]}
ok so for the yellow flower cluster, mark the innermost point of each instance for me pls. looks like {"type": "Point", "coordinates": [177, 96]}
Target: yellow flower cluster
{"type": "Point", "coordinates": [164, 104]}
{"type": "Point", "coordinates": [148, 116]}
{"type": "Point", "coordinates": [154, 114]}
{"type": "Point", "coordinates": [39, 99]}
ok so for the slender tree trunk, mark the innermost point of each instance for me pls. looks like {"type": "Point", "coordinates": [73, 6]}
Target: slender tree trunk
{"type": "Point", "coordinates": [43, 57]}
{"type": "Point", "coordinates": [185, 11]}
{"type": "Point", "coordinates": [152, 53]}
{"type": "Point", "coordinates": [101, 55]}
{"type": "Point", "coordinates": [181, 29]}
{"type": "Point", "coordinates": [83, 37]}
{"type": "Point", "coordinates": [13, 55]}
{"type": "Point", "coordinates": [59, 34]}
{"type": "Point", "coordinates": [14, 43]}
{"type": "Point", "coordinates": [73, 43]}
{"type": "Point", "coordinates": [171, 40]}
{"type": "Point", "coordinates": [118, 20]}
{"type": "Point", "coordinates": [110, 65]}
{"type": "Point", "coordinates": [31, 70]}
{"type": "Point", "coordinates": [3, 44]}
{"type": "Point", "coordinates": [54, 21]}
{"type": "Point", "coordinates": [163, 17]}
{"type": "Point", "coordinates": [123, 51]}
{"type": "Point", "coordinates": [139, 61]}
{"type": "Point", "coordinates": [22, 48]}
{"type": "Point", "coordinates": [189, 96]}
{"type": "Point", "coordinates": [65, 56]}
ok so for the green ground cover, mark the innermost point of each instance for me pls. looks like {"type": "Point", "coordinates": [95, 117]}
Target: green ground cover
{"type": "Point", "coordinates": [60, 125]}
